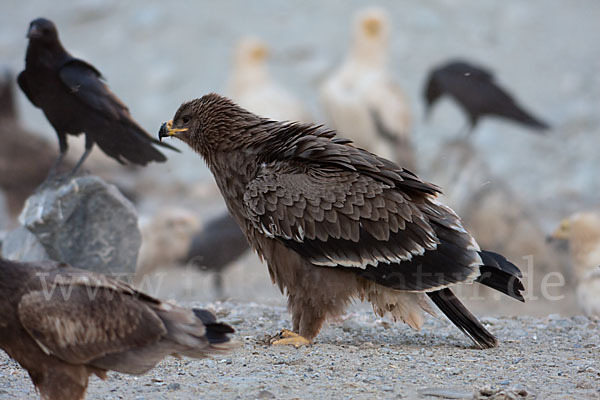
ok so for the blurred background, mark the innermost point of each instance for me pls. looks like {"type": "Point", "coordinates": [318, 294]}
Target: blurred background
{"type": "Point", "coordinates": [511, 185]}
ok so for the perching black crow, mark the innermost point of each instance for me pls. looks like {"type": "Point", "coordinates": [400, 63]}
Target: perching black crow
{"type": "Point", "coordinates": [75, 100]}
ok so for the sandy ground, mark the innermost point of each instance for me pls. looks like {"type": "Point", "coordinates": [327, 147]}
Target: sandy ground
{"type": "Point", "coordinates": [363, 357]}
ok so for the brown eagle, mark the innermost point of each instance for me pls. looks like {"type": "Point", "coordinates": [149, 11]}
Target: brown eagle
{"type": "Point", "coordinates": [63, 324]}
{"type": "Point", "coordinates": [336, 222]}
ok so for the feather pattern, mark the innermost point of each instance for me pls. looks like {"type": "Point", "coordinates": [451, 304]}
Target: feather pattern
{"type": "Point", "coordinates": [63, 324]}
{"type": "Point", "coordinates": [359, 221]}
{"type": "Point", "coordinates": [336, 222]}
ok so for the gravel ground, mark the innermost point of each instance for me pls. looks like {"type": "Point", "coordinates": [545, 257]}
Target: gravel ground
{"type": "Point", "coordinates": [363, 357]}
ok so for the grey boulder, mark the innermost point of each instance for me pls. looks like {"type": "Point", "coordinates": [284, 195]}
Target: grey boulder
{"type": "Point", "coordinates": [82, 221]}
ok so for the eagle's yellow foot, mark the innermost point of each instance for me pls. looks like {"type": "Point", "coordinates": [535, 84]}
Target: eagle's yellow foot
{"type": "Point", "coordinates": [289, 337]}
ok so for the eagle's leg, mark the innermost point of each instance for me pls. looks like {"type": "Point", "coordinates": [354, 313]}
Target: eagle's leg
{"type": "Point", "coordinates": [307, 321]}
{"type": "Point", "coordinates": [314, 294]}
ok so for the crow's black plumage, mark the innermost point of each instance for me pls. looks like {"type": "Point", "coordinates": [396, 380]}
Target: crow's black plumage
{"type": "Point", "coordinates": [75, 100]}
{"type": "Point", "coordinates": [475, 90]}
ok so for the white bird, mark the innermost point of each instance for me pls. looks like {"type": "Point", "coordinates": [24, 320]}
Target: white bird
{"type": "Point", "coordinates": [582, 230]}
{"type": "Point", "coordinates": [361, 98]}
{"type": "Point", "coordinates": [252, 87]}
{"type": "Point", "coordinates": [166, 240]}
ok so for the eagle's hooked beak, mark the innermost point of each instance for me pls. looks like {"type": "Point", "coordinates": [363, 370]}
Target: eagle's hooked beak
{"type": "Point", "coordinates": [166, 130]}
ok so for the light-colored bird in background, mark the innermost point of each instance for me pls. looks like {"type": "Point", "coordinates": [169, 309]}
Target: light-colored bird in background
{"type": "Point", "coordinates": [252, 87]}
{"type": "Point", "coordinates": [175, 238]}
{"type": "Point", "coordinates": [361, 98]}
{"type": "Point", "coordinates": [582, 230]}
{"type": "Point", "coordinates": [166, 239]}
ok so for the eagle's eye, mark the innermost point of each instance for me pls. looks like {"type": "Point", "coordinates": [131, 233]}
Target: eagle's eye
{"type": "Point", "coordinates": [185, 119]}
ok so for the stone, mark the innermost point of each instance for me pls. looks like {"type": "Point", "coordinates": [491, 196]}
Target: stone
{"type": "Point", "coordinates": [265, 394]}
{"type": "Point", "coordinates": [82, 221]}
{"type": "Point", "coordinates": [22, 245]}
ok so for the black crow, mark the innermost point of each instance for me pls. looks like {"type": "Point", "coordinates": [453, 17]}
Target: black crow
{"type": "Point", "coordinates": [75, 100]}
{"type": "Point", "coordinates": [475, 90]}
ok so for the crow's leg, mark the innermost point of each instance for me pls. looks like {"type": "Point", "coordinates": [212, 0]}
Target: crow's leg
{"type": "Point", "coordinates": [89, 144]}
{"type": "Point", "coordinates": [63, 147]}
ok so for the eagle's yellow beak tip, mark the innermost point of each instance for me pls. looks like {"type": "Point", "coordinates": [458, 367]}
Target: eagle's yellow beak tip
{"type": "Point", "coordinates": [167, 130]}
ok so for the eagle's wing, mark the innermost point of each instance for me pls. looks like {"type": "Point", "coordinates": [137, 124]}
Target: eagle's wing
{"type": "Point", "coordinates": [79, 316]}
{"type": "Point", "coordinates": [337, 217]}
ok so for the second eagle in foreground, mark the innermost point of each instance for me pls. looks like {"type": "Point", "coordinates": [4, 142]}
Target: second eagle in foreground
{"type": "Point", "coordinates": [336, 222]}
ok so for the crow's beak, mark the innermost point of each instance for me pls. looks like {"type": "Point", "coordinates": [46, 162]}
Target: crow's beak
{"type": "Point", "coordinates": [167, 130]}
{"type": "Point", "coordinates": [33, 32]}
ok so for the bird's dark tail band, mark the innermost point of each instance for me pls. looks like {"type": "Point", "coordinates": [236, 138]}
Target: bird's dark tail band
{"type": "Point", "coordinates": [500, 274]}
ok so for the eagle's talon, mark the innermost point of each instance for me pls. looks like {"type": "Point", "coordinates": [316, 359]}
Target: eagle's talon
{"type": "Point", "coordinates": [287, 337]}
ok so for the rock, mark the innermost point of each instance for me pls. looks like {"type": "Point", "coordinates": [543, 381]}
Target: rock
{"type": "Point", "coordinates": [265, 394]}
{"type": "Point", "coordinates": [82, 221]}
{"type": "Point", "coordinates": [20, 244]}
{"type": "Point", "coordinates": [515, 393]}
